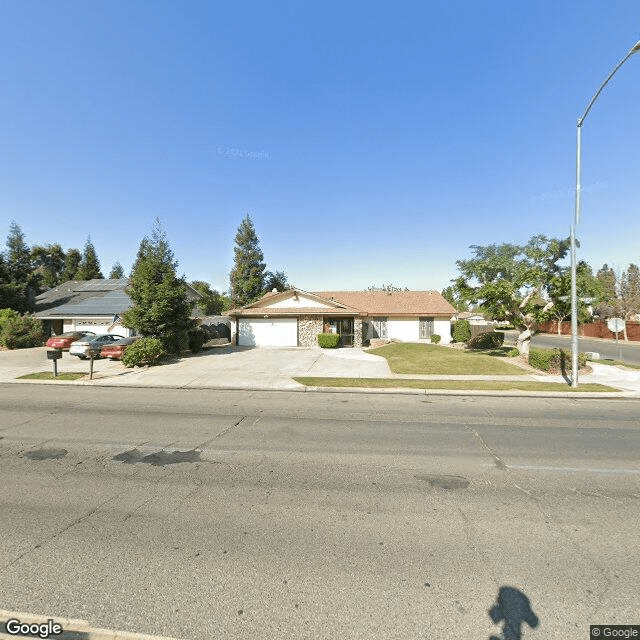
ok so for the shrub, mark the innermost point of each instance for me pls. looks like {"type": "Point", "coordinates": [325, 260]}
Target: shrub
{"type": "Point", "coordinates": [197, 337]}
{"type": "Point", "coordinates": [435, 338]}
{"type": "Point", "coordinates": [487, 340]}
{"type": "Point", "coordinates": [20, 332]}
{"type": "Point", "coordinates": [328, 340]}
{"type": "Point", "coordinates": [512, 353]}
{"type": "Point", "coordinates": [554, 359]}
{"type": "Point", "coordinates": [461, 331]}
{"type": "Point", "coordinates": [144, 351]}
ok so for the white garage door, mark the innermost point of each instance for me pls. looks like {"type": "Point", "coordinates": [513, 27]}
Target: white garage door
{"type": "Point", "coordinates": [268, 332]}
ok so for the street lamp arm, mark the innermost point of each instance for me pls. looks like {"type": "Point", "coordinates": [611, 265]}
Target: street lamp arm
{"type": "Point", "coordinates": [633, 50]}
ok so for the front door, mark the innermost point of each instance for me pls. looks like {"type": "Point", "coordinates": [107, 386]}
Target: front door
{"type": "Point", "coordinates": [343, 326]}
{"type": "Point", "coordinates": [426, 328]}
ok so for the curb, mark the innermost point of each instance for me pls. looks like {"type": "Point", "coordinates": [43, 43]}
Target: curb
{"type": "Point", "coordinates": [601, 395]}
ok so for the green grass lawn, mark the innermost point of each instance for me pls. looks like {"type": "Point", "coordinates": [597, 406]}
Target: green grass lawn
{"type": "Point", "coordinates": [405, 357]}
{"type": "Point", "coordinates": [478, 385]}
{"type": "Point", "coordinates": [48, 375]}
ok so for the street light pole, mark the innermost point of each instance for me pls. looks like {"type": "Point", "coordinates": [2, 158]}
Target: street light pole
{"type": "Point", "coordinates": [576, 220]}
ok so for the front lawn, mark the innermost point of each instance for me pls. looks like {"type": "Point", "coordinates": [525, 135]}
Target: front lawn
{"type": "Point", "coordinates": [405, 357]}
{"type": "Point", "coordinates": [48, 375]}
{"type": "Point", "coordinates": [475, 385]}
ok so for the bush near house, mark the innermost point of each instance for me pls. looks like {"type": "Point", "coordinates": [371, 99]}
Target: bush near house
{"type": "Point", "coordinates": [487, 340]}
{"type": "Point", "coordinates": [197, 337]}
{"type": "Point", "coordinates": [19, 332]}
{"type": "Point", "coordinates": [554, 359]}
{"type": "Point", "coordinates": [328, 340]}
{"type": "Point", "coordinates": [435, 338]}
{"type": "Point", "coordinates": [461, 331]}
{"type": "Point", "coordinates": [144, 351]}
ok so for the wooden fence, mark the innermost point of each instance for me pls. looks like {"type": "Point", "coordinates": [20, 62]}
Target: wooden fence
{"type": "Point", "coordinates": [592, 330]}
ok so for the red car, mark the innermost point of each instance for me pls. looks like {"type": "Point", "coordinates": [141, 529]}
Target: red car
{"type": "Point", "coordinates": [116, 349]}
{"type": "Point", "coordinates": [64, 340]}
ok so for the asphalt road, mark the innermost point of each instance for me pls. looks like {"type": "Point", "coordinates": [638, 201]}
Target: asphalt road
{"type": "Point", "coordinates": [625, 351]}
{"type": "Point", "coordinates": [208, 514]}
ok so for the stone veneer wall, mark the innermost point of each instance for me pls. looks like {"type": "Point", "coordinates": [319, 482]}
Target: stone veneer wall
{"type": "Point", "coordinates": [308, 329]}
{"type": "Point", "coordinates": [357, 332]}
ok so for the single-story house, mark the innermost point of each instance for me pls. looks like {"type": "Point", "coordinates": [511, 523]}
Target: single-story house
{"type": "Point", "coordinates": [295, 317]}
{"type": "Point", "coordinates": [92, 305]}
{"type": "Point", "coordinates": [473, 317]}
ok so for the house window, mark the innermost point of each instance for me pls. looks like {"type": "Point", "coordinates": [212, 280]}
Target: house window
{"type": "Point", "coordinates": [379, 327]}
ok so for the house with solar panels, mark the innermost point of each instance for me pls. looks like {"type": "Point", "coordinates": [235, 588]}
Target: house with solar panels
{"type": "Point", "coordinates": [90, 305]}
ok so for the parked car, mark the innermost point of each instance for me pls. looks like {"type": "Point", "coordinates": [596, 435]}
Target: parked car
{"type": "Point", "coordinates": [64, 340]}
{"type": "Point", "coordinates": [90, 346]}
{"type": "Point", "coordinates": [116, 349]}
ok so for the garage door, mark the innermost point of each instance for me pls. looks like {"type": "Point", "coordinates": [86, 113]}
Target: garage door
{"type": "Point", "coordinates": [268, 332]}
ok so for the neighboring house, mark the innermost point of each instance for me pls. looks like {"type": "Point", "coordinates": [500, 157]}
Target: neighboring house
{"type": "Point", "coordinates": [93, 305]}
{"type": "Point", "coordinates": [473, 318]}
{"type": "Point", "coordinates": [295, 317]}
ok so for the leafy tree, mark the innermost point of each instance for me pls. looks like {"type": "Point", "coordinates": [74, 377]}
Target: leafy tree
{"type": "Point", "coordinates": [72, 261]}
{"type": "Point", "coordinates": [116, 272]}
{"type": "Point", "coordinates": [247, 276]}
{"type": "Point", "coordinates": [628, 303]}
{"type": "Point", "coordinates": [161, 308]}
{"type": "Point", "coordinates": [277, 280]}
{"type": "Point", "coordinates": [89, 265]}
{"type": "Point", "coordinates": [558, 289]}
{"type": "Point", "coordinates": [48, 263]}
{"type": "Point", "coordinates": [454, 299]}
{"type": "Point", "coordinates": [212, 302]}
{"type": "Point", "coordinates": [510, 280]}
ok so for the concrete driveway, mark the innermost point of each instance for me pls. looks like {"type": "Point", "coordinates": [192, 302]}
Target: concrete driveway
{"type": "Point", "coordinates": [218, 367]}
{"type": "Point", "coordinates": [20, 362]}
{"type": "Point", "coordinates": [257, 368]}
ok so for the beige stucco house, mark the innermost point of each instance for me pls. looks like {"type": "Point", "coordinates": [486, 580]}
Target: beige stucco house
{"type": "Point", "coordinates": [295, 317]}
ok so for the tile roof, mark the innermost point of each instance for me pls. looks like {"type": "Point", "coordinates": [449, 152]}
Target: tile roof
{"type": "Point", "coordinates": [373, 303]}
{"type": "Point", "coordinates": [386, 303]}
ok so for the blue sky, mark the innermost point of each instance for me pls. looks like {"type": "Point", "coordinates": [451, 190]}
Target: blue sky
{"type": "Point", "coordinates": [371, 143]}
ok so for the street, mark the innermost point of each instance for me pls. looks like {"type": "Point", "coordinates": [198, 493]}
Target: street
{"type": "Point", "coordinates": [625, 351]}
{"type": "Point", "coordinates": [237, 514]}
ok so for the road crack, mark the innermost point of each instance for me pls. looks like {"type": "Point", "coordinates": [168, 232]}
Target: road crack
{"type": "Point", "coordinates": [500, 464]}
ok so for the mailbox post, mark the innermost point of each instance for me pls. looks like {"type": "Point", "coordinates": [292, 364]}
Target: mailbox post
{"type": "Point", "coordinates": [55, 355]}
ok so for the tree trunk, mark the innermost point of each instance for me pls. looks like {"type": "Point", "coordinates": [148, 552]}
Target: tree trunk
{"type": "Point", "coordinates": [559, 327]}
{"type": "Point", "coordinates": [524, 342]}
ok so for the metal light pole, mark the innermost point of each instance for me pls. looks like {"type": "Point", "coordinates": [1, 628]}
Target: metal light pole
{"type": "Point", "coordinates": [574, 295]}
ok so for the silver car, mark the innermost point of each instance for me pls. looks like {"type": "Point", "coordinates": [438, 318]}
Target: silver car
{"type": "Point", "coordinates": [89, 347]}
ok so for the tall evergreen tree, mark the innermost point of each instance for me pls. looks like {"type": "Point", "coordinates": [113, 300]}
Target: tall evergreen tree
{"type": "Point", "coordinates": [89, 265]}
{"type": "Point", "coordinates": [18, 282]}
{"type": "Point", "coordinates": [161, 307]}
{"type": "Point", "coordinates": [71, 265]}
{"type": "Point", "coordinates": [247, 276]}
{"type": "Point", "coordinates": [116, 272]}
{"type": "Point", "coordinates": [18, 255]}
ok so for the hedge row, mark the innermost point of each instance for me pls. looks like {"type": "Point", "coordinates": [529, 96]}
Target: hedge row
{"type": "Point", "coordinates": [554, 359]}
{"type": "Point", "coordinates": [487, 340]}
